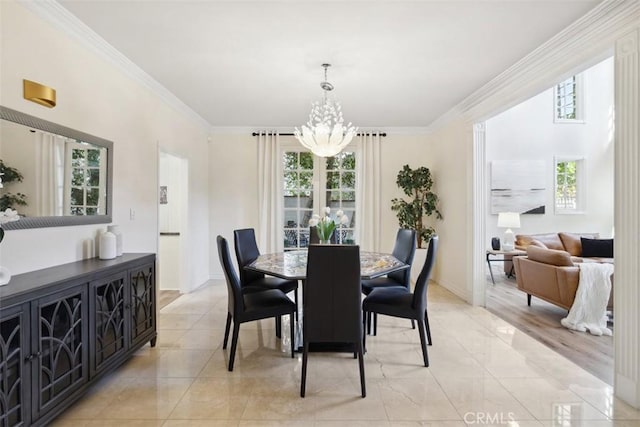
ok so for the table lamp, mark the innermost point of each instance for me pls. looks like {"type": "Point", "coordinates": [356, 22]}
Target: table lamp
{"type": "Point", "coordinates": [508, 220]}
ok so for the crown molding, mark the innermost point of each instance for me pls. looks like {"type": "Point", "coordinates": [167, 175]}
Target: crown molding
{"type": "Point", "coordinates": [587, 41]}
{"type": "Point", "coordinates": [65, 21]}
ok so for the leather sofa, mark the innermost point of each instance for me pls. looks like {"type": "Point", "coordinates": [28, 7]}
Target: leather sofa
{"type": "Point", "coordinates": [569, 242]}
{"type": "Point", "coordinates": [549, 270]}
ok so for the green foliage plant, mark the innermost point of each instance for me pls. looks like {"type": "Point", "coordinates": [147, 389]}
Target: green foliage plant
{"type": "Point", "coordinates": [416, 183]}
{"type": "Point", "coordinates": [10, 200]}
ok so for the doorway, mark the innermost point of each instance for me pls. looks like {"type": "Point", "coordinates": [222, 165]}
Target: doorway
{"type": "Point", "coordinates": [172, 214]}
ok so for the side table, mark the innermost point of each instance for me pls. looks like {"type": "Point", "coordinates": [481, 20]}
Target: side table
{"type": "Point", "coordinates": [500, 256]}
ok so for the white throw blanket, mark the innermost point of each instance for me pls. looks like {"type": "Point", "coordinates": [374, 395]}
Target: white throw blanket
{"type": "Point", "coordinates": [589, 309]}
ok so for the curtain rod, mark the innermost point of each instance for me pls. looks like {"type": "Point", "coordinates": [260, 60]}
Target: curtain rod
{"type": "Point", "coordinates": [290, 134]}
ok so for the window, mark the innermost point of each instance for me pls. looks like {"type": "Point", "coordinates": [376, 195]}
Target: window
{"type": "Point", "coordinates": [568, 101]}
{"type": "Point", "coordinates": [298, 169]}
{"type": "Point", "coordinates": [85, 194]}
{"type": "Point", "coordinates": [309, 184]}
{"type": "Point", "coordinates": [569, 185]}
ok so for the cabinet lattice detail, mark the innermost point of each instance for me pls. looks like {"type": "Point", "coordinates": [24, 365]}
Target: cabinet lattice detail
{"type": "Point", "coordinates": [11, 371]}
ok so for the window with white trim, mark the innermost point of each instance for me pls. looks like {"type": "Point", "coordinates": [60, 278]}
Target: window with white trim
{"type": "Point", "coordinates": [87, 190]}
{"type": "Point", "coordinates": [568, 101]}
{"type": "Point", "coordinates": [569, 185]}
{"type": "Point", "coordinates": [309, 184]}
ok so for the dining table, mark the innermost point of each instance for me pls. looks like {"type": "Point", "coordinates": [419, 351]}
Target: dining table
{"type": "Point", "coordinates": [292, 265]}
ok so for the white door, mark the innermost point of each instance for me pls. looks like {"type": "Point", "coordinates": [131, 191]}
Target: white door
{"type": "Point", "coordinates": [173, 196]}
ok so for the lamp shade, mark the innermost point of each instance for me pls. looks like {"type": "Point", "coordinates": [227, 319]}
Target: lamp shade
{"type": "Point", "coordinates": [509, 220]}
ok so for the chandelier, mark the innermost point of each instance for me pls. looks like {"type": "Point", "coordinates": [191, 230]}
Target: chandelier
{"type": "Point", "coordinates": [325, 133]}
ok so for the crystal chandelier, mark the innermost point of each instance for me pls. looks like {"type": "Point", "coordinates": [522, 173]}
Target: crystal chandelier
{"type": "Point", "coordinates": [325, 133]}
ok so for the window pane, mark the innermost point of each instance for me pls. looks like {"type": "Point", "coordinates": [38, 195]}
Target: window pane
{"type": "Point", "coordinates": [77, 196]}
{"type": "Point", "coordinates": [306, 181]}
{"type": "Point", "coordinates": [290, 182]}
{"type": "Point", "coordinates": [306, 199]}
{"type": "Point", "coordinates": [93, 158]}
{"type": "Point", "coordinates": [92, 211]}
{"type": "Point", "coordinates": [306, 161]}
{"type": "Point", "coordinates": [304, 238]}
{"type": "Point", "coordinates": [290, 160]}
{"type": "Point", "coordinates": [77, 211]}
{"type": "Point", "coordinates": [290, 238]}
{"type": "Point", "coordinates": [77, 158]}
{"type": "Point", "coordinates": [333, 180]}
{"type": "Point", "coordinates": [348, 196]}
{"type": "Point", "coordinates": [349, 180]}
{"type": "Point", "coordinates": [77, 179]}
{"type": "Point", "coordinates": [290, 218]}
{"type": "Point", "coordinates": [349, 161]}
{"type": "Point", "coordinates": [94, 177]}
{"type": "Point", "coordinates": [346, 237]}
{"type": "Point", "coordinates": [93, 195]}
{"type": "Point", "coordinates": [306, 216]}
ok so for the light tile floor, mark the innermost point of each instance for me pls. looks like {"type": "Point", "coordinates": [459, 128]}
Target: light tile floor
{"type": "Point", "coordinates": [482, 372]}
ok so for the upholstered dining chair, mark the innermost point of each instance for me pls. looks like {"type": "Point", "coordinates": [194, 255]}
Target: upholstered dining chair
{"type": "Point", "coordinates": [248, 306]}
{"type": "Point", "coordinates": [246, 252]}
{"type": "Point", "coordinates": [399, 302]}
{"type": "Point", "coordinates": [404, 250]}
{"type": "Point", "coordinates": [332, 304]}
{"type": "Point", "coordinates": [314, 239]}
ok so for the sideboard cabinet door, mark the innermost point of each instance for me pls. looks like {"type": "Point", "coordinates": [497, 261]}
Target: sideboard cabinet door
{"type": "Point", "coordinates": [142, 283]}
{"type": "Point", "coordinates": [60, 363]}
{"type": "Point", "coordinates": [109, 335]}
{"type": "Point", "coordinates": [14, 360]}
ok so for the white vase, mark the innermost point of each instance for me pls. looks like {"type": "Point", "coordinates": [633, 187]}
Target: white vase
{"type": "Point", "coordinates": [5, 275]}
{"type": "Point", "coordinates": [115, 229]}
{"type": "Point", "coordinates": [107, 245]}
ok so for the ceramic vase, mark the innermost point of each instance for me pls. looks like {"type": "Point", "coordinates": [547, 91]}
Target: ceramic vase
{"type": "Point", "coordinates": [115, 229]}
{"type": "Point", "coordinates": [107, 245]}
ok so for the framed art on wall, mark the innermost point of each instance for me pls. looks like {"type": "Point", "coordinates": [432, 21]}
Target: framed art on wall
{"type": "Point", "coordinates": [518, 186]}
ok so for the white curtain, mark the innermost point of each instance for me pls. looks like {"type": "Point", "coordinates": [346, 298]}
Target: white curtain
{"type": "Point", "coordinates": [269, 193]}
{"type": "Point", "coordinates": [368, 200]}
{"type": "Point", "coordinates": [49, 161]}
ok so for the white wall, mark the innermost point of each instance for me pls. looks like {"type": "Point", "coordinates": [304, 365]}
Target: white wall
{"type": "Point", "coordinates": [528, 132]}
{"type": "Point", "coordinates": [452, 157]}
{"type": "Point", "coordinates": [234, 184]}
{"type": "Point", "coordinates": [97, 98]}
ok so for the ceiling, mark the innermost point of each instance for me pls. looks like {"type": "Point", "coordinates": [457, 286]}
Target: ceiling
{"type": "Point", "coordinates": [258, 63]}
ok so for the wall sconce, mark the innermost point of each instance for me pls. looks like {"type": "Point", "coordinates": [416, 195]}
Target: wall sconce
{"type": "Point", "coordinates": [40, 94]}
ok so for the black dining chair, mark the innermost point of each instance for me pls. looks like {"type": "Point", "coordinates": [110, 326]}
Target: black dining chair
{"type": "Point", "coordinates": [399, 302]}
{"type": "Point", "coordinates": [248, 306]}
{"type": "Point", "coordinates": [315, 240]}
{"type": "Point", "coordinates": [404, 250]}
{"type": "Point", "coordinates": [246, 252]}
{"type": "Point", "coordinates": [332, 304]}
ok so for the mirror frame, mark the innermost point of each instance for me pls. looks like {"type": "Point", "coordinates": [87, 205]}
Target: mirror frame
{"type": "Point", "coordinates": [69, 220]}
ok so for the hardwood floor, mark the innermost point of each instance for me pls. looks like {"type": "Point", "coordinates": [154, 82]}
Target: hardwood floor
{"type": "Point", "coordinates": [166, 297]}
{"type": "Point", "coordinates": [542, 322]}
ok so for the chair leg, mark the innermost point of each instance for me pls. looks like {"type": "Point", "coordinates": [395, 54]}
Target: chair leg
{"type": "Point", "coordinates": [426, 322]}
{"type": "Point", "coordinates": [291, 328]}
{"type": "Point", "coordinates": [363, 386]}
{"type": "Point", "coordinates": [234, 344]}
{"type": "Point", "coordinates": [295, 300]}
{"type": "Point", "coordinates": [279, 326]}
{"type": "Point", "coordinates": [303, 383]}
{"type": "Point", "coordinates": [529, 300]}
{"type": "Point", "coordinates": [375, 323]}
{"type": "Point", "coordinates": [226, 331]}
{"type": "Point", "coordinates": [413, 324]}
{"type": "Point", "coordinates": [365, 316]}
{"type": "Point", "coordinates": [423, 342]}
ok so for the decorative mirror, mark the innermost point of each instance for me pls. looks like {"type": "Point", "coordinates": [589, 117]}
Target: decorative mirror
{"type": "Point", "coordinates": [52, 175]}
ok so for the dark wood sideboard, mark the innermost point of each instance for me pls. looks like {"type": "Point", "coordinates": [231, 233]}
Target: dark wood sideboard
{"type": "Point", "coordinates": [62, 328]}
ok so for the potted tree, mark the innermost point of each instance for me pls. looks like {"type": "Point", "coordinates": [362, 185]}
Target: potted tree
{"type": "Point", "coordinates": [423, 203]}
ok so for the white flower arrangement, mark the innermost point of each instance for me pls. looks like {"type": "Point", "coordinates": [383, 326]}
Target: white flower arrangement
{"type": "Point", "coordinates": [9, 215]}
{"type": "Point", "coordinates": [325, 225]}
